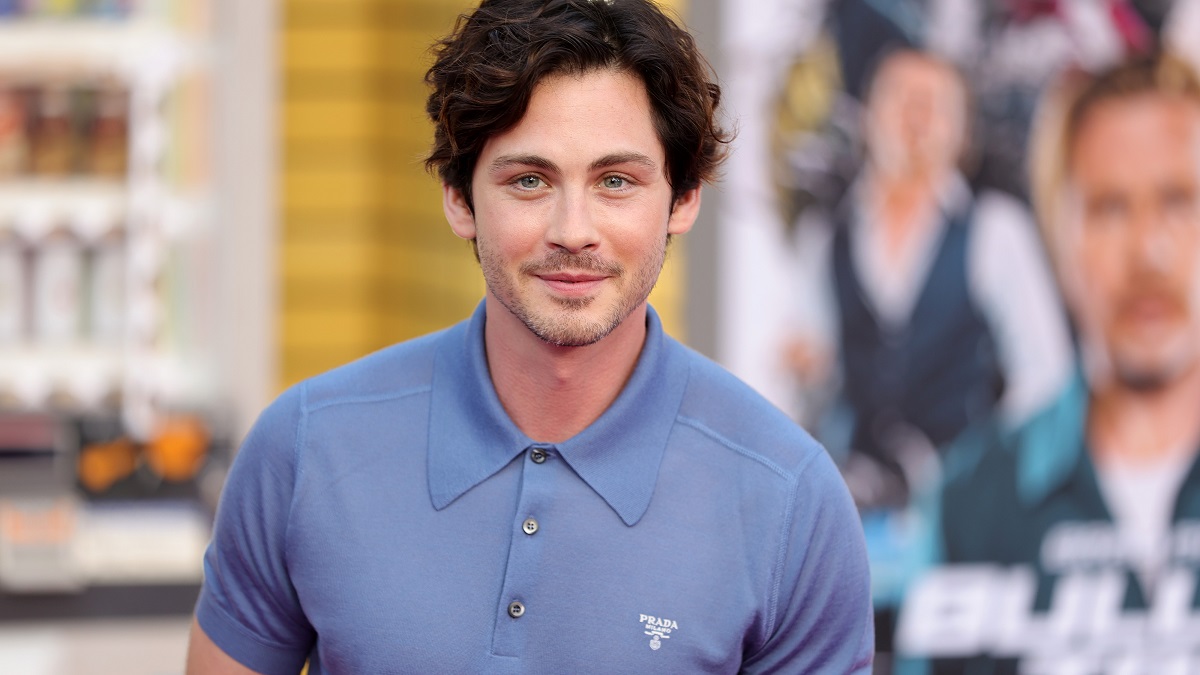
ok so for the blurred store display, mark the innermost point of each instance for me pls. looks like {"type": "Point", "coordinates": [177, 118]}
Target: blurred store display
{"type": "Point", "coordinates": [112, 437]}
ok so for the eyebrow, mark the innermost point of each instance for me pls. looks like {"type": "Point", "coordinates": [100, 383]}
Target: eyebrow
{"type": "Point", "coordinates": [505, 161]}
{"type": "Point", "coordinates": [537, 161]}
{"type": "Point", "coordinates": [623, 158]}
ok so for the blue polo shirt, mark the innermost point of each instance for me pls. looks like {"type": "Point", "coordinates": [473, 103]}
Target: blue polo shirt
{"type": "Point", "coordinates": [389, 517]}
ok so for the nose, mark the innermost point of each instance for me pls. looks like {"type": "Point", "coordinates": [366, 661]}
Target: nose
{"type": "Point", "coordinates": [1152, 247]}
{"type": "Point", "coordinates": [574, 226]}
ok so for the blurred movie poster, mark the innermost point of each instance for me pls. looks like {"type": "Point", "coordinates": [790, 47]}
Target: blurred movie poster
{"type": "Point", "coordinates": [881, 193]}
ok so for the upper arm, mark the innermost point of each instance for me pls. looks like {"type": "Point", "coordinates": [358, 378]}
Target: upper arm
{"type": "Point", "coordinates": [1011, 280]}
{"type": "Point", "coordinates": [824, 621]}
{"type": "Point", "coordinates": [204, 657]}
{"type": "Point", "coordinates": [248, 607]}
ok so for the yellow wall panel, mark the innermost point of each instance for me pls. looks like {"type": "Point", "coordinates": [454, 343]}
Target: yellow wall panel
{"type": "Point", "coordinates": [347, 191]}
{"type": "Point", "coordinates": [350, 325]}
{"type": "Point", "coordinates": [353, 257]}
{"type": "Point", "coordinates": [330, 49]}
{"type": "Point", "coordinates": [345, 120]}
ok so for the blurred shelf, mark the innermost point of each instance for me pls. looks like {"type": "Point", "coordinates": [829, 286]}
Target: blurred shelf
{"type": "Point", "coordinates": [61, 545]}
{"type": "Point", "coordinates": [142, 543]}
{"type": "Point", "coordinates": [87, 377]}
{"type": "Point", "coordinates": [90, 207]}
{"type": "Point", "coordinates": [34, 376]}
{"type": "Point", "coordinates": [108, 602]}
{"type": "Point", "coordinates": [100, 47]}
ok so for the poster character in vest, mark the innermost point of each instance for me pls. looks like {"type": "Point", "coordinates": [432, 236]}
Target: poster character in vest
{"type": "Point", "coordinates": [553, 485]}
{"type": "Point", "coordinates": [936, 307]}
{"type": "Point", "coordinates": [1072, 544]}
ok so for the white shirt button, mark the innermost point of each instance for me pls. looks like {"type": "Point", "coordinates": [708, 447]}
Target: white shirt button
{"type": "Point", "coordinates": [530, 526]}
{"type": "Point", "coordinates": [516, 610]}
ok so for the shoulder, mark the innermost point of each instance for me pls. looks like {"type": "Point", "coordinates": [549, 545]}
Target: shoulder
{"type": "Point", "coordinates": [1002, 221]}
{"type": "Point", "coordinates": [782, 484]}
{"type": "Point", "coordinates": [401, 370]}
{"type": "Point", "coordinates": [396, 371]}
{"type": "Point", "coordinates": [986, 498]}
{"type": "Point", "coordinates": [980, 494]}
{"type": "Point", "coordinates": [736, 418]}
{"type": "Point", "coordinates": [981, 461]}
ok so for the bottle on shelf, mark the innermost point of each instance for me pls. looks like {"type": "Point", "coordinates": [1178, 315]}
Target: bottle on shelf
{"type": "Point", "coordinates": [14, 146]}
{"type": "Point", "coordinates": [106, 290]}
{"type": "Point", "coordinates": [104, 131]}
{"type": "Point", "coordinates": [57, 289]}
{"type": "Point", "coordinates": [13, 289]}
{"type": "Point", "coordinates": [51, 133]}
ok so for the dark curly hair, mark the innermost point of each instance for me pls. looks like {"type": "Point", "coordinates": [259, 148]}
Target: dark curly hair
{"type": "Point", "coordinates": [487, 68]}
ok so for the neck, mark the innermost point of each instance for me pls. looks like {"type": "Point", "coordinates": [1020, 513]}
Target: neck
{"type": "Point", "coordinates": [552, 393]}
{"type": "Point", "coordinates": [1144, 426]}
{"type": "Point", "coordinates": [902, 202]}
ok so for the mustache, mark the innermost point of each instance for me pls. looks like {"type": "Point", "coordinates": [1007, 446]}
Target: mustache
{"type": "Point", "coordinates": [560, 260]}
{"type": "Point", "coordinates": [1170, 297]}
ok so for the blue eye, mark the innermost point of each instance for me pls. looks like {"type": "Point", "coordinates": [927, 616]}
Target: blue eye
{"type": "Point", "coordinates": [529, 182]}
{"type": "Point", "coordinates": [614, 182]}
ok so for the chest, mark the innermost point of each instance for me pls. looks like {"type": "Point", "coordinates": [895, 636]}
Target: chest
{"type": "Point", "coordinates": [528, 571]}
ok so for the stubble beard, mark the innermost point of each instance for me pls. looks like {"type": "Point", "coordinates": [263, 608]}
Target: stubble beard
{"type": "Point", "coordinates": [1137, 375]}
{"type": "Point", "coordinates": [569, 326]}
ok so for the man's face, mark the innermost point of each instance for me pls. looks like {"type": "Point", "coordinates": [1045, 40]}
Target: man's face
{"type": "Point", "coordinates": [1130, 246]}
{"type": "Point", "coordinates": [572, 207]}
{"type": "Point", "coordinates": [916, 116]}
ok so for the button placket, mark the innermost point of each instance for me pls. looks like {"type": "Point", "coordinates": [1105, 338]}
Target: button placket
{"type": "Point", "coordinates": [527, 544]}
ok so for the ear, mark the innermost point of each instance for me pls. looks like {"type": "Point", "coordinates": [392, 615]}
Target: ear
{"type": "Point", "coordinates": [687, 207]}
{"type": "Point", "coordinates": [458, 214]}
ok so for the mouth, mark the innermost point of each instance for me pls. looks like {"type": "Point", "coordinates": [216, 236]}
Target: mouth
{"type": "Point", "coordinates": [1151, 308]}
{"type": "Point", "coordinates": [572, 283]}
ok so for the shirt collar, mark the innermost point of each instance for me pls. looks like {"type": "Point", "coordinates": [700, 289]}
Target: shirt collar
{"type": "Point", "coordinates": [471, 437]}
{"type": "Point", "coordinates": [953, 197]}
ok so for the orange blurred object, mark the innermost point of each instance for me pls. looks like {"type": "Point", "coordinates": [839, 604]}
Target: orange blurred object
{"type": "Point", "coordinates": [179, 450]}
{"type": "Point", "coordinates": [102, 464]}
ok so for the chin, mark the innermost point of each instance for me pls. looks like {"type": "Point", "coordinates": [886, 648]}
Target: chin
{"type": "Point", "coordinates": [573, 335]}
{"type": "Point", "coordinates": [571, 327]}
{"type": "Point", "coordinates": [1152, 372]}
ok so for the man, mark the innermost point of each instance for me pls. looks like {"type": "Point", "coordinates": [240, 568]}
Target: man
{"type": "Point", "coordinates": [1092, 509]}
{"type": "Point", "coordinates": [553, 486]}
{"type": "Point", "coordinates": [936, 303]}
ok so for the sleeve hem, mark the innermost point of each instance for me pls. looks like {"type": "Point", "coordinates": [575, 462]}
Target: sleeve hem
{"type": "Point", "coordinates": [239, 644]}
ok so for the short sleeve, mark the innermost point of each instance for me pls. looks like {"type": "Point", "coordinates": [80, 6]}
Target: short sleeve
{"type": "Point", "coordinates": [248, 606]}
{"type": "Point", "coordinates": [824, 621]}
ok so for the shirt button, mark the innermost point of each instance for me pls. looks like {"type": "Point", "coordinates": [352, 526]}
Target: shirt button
{"type": "Point", "coordinates": [516, 610]}
{"type": "Point", "coordinates": [530, 526]}
{"type": "Point", "coordinates": [538, 455]}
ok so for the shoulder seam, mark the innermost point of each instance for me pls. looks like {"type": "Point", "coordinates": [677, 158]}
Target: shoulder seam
{"type": "Point", "coordinates": [298, 442]}
{"type": "Point", "coordinates": [375, 398]}
{"type": "Point", "coordinates": [704, 429]}
{"type": "Point", "coordinates": [781, 556]}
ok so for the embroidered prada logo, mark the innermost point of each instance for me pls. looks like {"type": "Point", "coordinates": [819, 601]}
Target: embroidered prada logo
{"type": "Point", "coordinates": [658, 629]}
